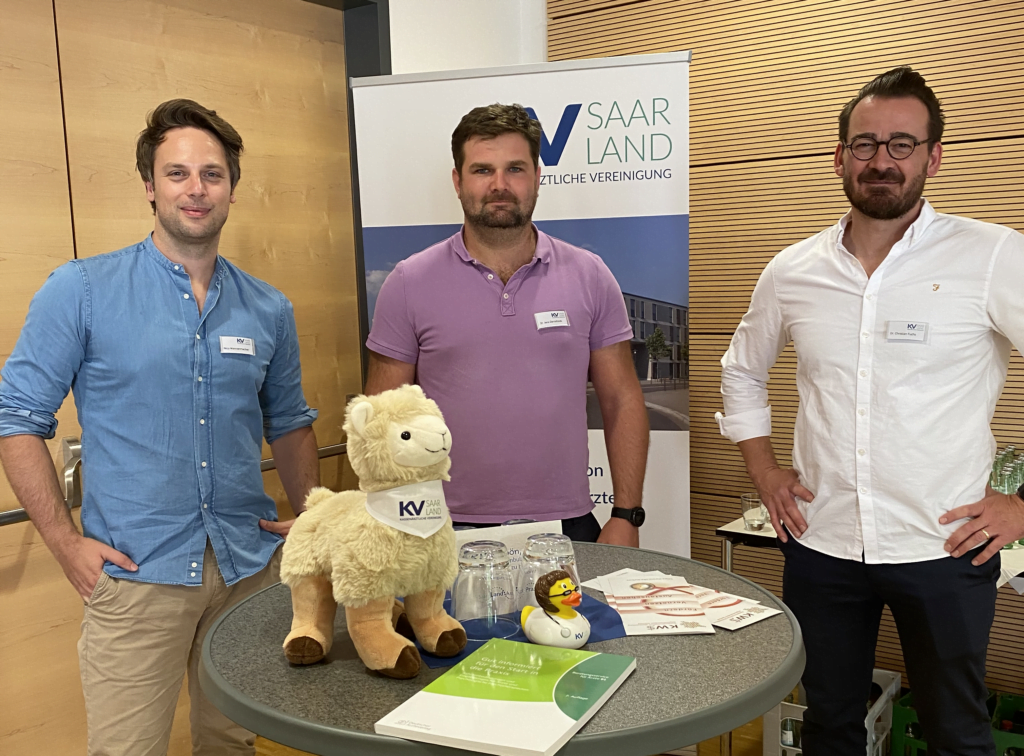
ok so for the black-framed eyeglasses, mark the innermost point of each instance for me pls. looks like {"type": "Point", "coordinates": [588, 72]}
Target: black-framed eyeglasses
{"type": "Point", "coordinates": [564, 593]}
{"type": "Point", "coordinates": [899, 148]}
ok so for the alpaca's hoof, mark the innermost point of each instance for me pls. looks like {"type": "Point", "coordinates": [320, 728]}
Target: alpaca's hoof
{"type": "Point", "coordinates": [408, 665]}
{"type": "Point", "coordinates": [450, 642]}
{"type": "Point", "coordinates": [303, 650]}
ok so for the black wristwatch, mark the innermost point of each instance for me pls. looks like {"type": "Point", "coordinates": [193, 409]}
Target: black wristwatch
{"type": "Point", "coordinates": [635, 516]}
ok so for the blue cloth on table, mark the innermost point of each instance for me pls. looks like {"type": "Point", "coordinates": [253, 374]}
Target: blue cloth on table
{"type": "Point", "coordinates": [605, 624]}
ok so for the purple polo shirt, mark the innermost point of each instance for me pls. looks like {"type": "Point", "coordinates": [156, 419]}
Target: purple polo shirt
{"type": "Point", "coordinates": [513, 394]}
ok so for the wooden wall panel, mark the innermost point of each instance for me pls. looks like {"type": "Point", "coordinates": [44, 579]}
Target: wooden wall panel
{"type": "Point", "coordinates": [765, 68]}
{"type": "Point", "coordinates": [767, 83]}
{"type": "Point", "coordinates": [40, 611]}
{"type": "Point", "coordinates": [275, 69]}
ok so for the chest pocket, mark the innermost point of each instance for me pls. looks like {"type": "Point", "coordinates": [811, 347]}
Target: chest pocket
{"type": "Point", "coordinates": [240, 366]}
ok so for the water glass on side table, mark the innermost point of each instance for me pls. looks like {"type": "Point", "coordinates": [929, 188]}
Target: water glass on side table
{"type": "Point", "coordinates": [754, 513]}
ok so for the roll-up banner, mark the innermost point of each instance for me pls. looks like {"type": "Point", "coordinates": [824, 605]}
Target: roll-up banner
{"type": "Point", "coordinates": [614, 180]}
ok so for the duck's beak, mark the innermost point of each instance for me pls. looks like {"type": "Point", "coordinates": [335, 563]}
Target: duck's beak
{"type": "Point", "coordinates": [573, 599]}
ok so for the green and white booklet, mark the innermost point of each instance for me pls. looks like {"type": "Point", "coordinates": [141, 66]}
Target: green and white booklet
{"type": "Point", "coordinates": [510, 699]}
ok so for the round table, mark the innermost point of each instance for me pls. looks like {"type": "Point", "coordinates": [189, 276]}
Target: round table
{"type": "Point", "coordinates": [685, 688]}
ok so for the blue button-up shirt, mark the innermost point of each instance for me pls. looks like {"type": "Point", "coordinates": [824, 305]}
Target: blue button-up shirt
{"type": "Point", "coordinates": [172, 407]}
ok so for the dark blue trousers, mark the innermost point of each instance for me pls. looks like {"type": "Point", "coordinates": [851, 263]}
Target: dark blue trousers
{"type": "Point", "coordinates": [943, 611]}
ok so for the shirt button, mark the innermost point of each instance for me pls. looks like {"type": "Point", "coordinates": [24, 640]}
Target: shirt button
{"type": "Point", "coordinates": [204, 505]}
{"type": "Point", "coordinates": [505, 295]}
{"type": "Point", "coordinates": [176, 267]}
{"type": "Point", "coordinates": [198, 336]}
{"type": "Point", "coordinates": [861, 452]}
{"type": "Point", "coordinates": [863, 490]}
{"type": "Point", "coordinates": [871, 296]}
{"type": "Point", "coordinates": [862, 412]}
{"type": "Point", "coordinates": [865, 334]}
{"type": "Point", "coordinates": [202, 420]}
{"type": "Point", "coordinates": [863, 374]}
{"type": "Point", "coordinates": [193, 574]}
{"type": "Point", "coordinates": [200, 379]}
{"type": "Point", "coordinates": [185, 295]}
{"type": "Point", "coordinates": [195, 564]}
{"type": "Point", "coordinates": [490, 276]}
{"type": "Point", "coordinates": [204, 464]}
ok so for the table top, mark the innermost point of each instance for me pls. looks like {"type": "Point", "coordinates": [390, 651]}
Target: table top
{"type": "Point", "coordinates": [685, 688]}
{"type": "Point", "coordinates": [735, 531]}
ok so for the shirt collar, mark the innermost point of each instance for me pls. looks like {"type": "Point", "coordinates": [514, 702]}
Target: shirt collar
{"type": "Point", "coordinates": [542, 252]}
{"type": "Point", "coordinates": [912, 234]}
{"type": "Point", "coordinates": [157, 256]}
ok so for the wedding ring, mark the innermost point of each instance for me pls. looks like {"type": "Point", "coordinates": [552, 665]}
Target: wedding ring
{"type": "Point", "coordinates": [985, 533]}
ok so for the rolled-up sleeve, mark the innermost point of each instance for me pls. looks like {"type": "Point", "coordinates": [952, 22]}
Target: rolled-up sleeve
{"type": "Point", "coordinates": [48, 355]}
{"type": "Point", "coordinates": [281, 398]}
{"type": "Point", "coordinates": [756, 345]}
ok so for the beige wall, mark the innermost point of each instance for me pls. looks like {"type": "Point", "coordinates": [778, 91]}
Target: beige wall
{"type": "Point", "coordinates": [275, 70]}
{"type": "Point", "coordinates": [767, 82]}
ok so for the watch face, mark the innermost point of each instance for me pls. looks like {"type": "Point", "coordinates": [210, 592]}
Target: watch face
{"type": "Point", "coordinates": [637, 516]}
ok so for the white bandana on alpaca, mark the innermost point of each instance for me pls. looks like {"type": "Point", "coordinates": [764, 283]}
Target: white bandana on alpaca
{"type": "Point", "coordinates": [418, 509]}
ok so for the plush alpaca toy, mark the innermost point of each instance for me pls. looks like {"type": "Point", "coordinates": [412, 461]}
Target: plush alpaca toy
{"type": "Point", "coordinates": [391, 538]}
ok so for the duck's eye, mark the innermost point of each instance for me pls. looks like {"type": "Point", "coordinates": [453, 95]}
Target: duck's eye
{"type": "Point", "coordinates": [406, 435]}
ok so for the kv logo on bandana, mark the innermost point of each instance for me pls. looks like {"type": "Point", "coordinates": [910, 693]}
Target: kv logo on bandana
{"type": "Point", "coordinates": [426, 508]}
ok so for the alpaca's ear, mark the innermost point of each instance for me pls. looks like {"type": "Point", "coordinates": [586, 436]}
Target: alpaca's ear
{"type": "Point", "coordinates": [360, 415]}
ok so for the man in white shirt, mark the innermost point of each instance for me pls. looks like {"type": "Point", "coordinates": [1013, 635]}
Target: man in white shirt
{"type": "Point", "coordinates": [902, 319]}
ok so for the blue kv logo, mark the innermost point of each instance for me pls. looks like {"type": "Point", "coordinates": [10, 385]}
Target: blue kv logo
{"type": "Point", "coordinates": [551, 152]}
{"type": "Point", "coordinates": [410, 509]}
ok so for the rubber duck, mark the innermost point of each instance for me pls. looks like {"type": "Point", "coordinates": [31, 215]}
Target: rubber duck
{"type": "Point", "coordinates": [556, 622]}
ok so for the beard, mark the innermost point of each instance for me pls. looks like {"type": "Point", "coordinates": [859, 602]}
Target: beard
{"type": "Point", "coordinates": [188, 234]}
{"type": "Point", "coordinates": [516, 216]}
{"type": "Point", "coordinates": [883, 203]}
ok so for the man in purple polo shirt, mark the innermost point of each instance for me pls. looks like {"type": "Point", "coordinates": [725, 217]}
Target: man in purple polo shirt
{"type": "Point", "coordinates": [500, 325]}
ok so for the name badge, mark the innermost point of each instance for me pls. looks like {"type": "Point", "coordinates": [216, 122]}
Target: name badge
{"type": "Point", "coordinates": [418, 509]}
{"type": "Point", "coordinates": [551, 319]}
{"type": "Point", "coordinates": [902, 330]}
{"type": "Point", "coordinates": [237, 345]}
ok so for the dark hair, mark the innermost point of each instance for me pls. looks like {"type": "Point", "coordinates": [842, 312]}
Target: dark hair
{"type": "Point", "coordinates": [543, 587]}
{"type": "Point", "coordinates": [899, 82]}
{"type": "Point", "coordinates": [175, 114]}
{"type": "Point", "coordinates": [490, 121]}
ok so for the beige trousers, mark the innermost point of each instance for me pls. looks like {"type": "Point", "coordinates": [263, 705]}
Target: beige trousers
{"type": "Point", "coordinates": [138, 639]}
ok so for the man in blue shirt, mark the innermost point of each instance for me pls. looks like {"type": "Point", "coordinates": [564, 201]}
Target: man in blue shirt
{"type": "Point", "coordinates": [180, 364]}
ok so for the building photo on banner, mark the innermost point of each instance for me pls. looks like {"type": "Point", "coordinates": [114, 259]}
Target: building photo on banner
{"type": "Point", "coordinates": [614, 168]}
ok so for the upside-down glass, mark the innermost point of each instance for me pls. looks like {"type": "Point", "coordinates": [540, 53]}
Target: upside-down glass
{"type": "Point", "coordinates": [483, 595]}
{"type": "Point", "coordinates": [754, 513]}
{"type": "Point", "coordinates": [543, 553]}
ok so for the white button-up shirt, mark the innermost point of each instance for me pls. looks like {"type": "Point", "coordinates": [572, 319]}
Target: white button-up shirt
{"type": "Point", "coordinates": [898, 376]}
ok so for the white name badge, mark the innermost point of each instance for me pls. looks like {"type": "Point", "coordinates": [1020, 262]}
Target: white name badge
{"type": "Point", "coordinates": [237, 345]}
{"type": "Point", "coordinates": [901, 330]}
{"type": "Point", "coordinates": [551, 319]}
{"type": "Point", "coordinates": [418, 509]}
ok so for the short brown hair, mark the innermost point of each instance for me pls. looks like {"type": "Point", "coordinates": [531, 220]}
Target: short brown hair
{"type": "Point", "coordinates": [491, 121]}
{"type": "Point", "coordinates": [903, 81]}
{"type": "Point", "coordinates": [175, 114]}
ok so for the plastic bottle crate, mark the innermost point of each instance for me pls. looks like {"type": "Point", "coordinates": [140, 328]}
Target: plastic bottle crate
{"type": "Point", "coordinates": [1000, 706]}
{"type": "Point", "coordinates": [1010, 743]}
{"type": "Point", "coordinates": [878, 720]}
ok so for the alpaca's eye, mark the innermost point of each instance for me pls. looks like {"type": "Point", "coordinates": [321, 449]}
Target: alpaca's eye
{"type": "Point", "coordinates": [406, 435]}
